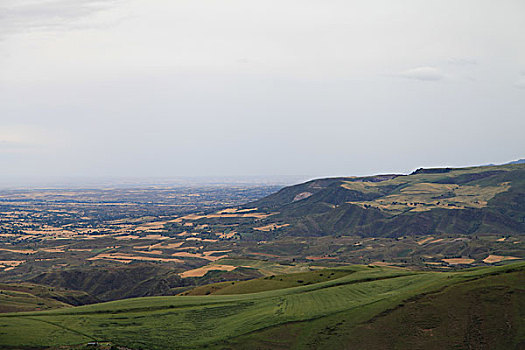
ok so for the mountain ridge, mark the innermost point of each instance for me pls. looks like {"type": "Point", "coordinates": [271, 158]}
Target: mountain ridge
{"type": "Point", "coordinates": [471, 200]}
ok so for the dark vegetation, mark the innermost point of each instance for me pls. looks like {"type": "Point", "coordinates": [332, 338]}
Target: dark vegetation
{"type": "Point", "coordinates": [137, 280]}
{"type": "Point", "coordinates": [29, 297]}
{"type": "Point", "coordinates": [485, 200]}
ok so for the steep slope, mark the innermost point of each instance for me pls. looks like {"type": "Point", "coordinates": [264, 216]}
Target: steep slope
{"type": "Point", "coordinates": [135, 280]}
{"type": "Point", "coordinates": [489, 199]}
{"type": "Point", "coordinates": [115, 283]}
{"type": "Point", "coordinates": [16, 297]}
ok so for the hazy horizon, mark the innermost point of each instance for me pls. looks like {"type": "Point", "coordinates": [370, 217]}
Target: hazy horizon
{"type": "Point", "coordinates": [80, 182]}
{"type": "Point", "coordinates": [179, 89]}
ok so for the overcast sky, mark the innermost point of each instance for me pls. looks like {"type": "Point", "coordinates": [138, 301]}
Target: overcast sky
{"type": "Point", "coordinates": [253, 87]}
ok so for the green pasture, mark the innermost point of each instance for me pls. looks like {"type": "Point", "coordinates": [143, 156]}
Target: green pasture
{"type": "Point", "coordinates": [199, 321]}
{"type": "Point", "coordinates": [271, 282]}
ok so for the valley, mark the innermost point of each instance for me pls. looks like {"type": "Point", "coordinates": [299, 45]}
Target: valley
{"type": "Point", "coordinates": [242, 266]}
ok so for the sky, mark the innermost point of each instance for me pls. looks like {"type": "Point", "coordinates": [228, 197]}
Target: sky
{"type": "Point", "coordinates": [158, 88]}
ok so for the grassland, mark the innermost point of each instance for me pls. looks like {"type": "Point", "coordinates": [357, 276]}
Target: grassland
{"type": "Point", "coordinates": [23, 298]}
{"type": "Point", "coordinates": [272, 282]}
{"type": "Point", "coordinates": [16, 297]}
{"type": "Point", "coordinates": [482, 313]}
{"type": "Point", "coordinates": [235, 321]}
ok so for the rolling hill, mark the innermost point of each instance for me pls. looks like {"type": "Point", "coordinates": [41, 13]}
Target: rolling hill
{"type": "Point", "coordinates": [477, 200]}
{"type": "Point", "coordinates": [16, 297]}
{"type": "Point", "coordinates": [475, 308]}
{"type": "Point", "coordinates": [136, 280]}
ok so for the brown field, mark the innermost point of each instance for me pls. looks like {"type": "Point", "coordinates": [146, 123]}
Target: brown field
{"type": "Point", "coordinates": [201, 239]}
{"type": "Point", "coordinates": [208, 255]}
{"type": "Point", "coordinates": [320, 257]}
{"type": "Point", "coordinates": [205, 255]}
{"type": "Point", "coordinates": [227, 211]}
{"type": "Point", "coordinates": [264, 254]}
{"type": "Point", "coordinates": [188, 248]}
{"type": "Point", "coordinates": [233, 210]}
{"type": "Point", "coordinates": [215, 258]}
{"type": "Point", "coordinates": [425, 240]}
{"type": "Point", "coordinates": [154, 252]}
{"type": "Point", "coordinates": [456, 261]}
{"type": "Point", "coordinates": [127, 237]}
{"type": "Point", "coordinates": [210, 252]}
{"type": "Point", "coordinates": [188, 217]}
{"type": "Point", "coordinates": [188, 255]}
{"type": "Point", "coordinates": [52, 250]}
{"type": "Point", "coordinates": [117, 257]}
{"type": "Point", "coordinates": [122, 261]}
{"type": "Point", "coordinates": [270, 227]}
{"type": "Point", "coordinates": [25, 237]}
{"type": "Point", "coordinates": [159, 246]}
{"type": "Point", "coordinates": [20, 251]}
{"type": "Point", "coordinates": [421, 196]}
{"type": "Point", "coordinates": [247, 210]}
{"type": "Point", "coordinates": [218, 215]}
{"type": "Point", "coordinates": [201, 271]}
{"type": "Point", "coordinates": [171, 245]}
{"type": "Point", "coordinates": [186, 233]}
{"type": "Point", "coordinates": [154, 237]}
{"type": "Point", "coordinates": [90, 237]}
{"type": "Point", "coordinates": [10, 264]}
{"type": "Point", "coordinates": [491, 259]}
{"type": "Point", "coordinates": [226, 235]}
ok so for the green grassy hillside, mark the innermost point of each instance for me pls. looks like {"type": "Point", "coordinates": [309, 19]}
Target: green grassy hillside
{"type": "Point", "coordinates": [484, 313]}
{"type": "Point", "coordinates": [29, 297]}
{"type": "Point", "coordinates": [271, 282]}
{"type": "Point", "coordinates": [220, 321]}
{"type": "Point", "coordinates": [477, 200]}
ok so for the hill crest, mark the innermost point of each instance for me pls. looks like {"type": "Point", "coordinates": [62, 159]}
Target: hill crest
{"type": "Point", "coordinates": [488, 199]}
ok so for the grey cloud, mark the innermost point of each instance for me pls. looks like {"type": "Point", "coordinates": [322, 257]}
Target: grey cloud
{"type": "Point", "coordinates": [192, 87]}
{"type": "Point", "coordinates": [422, 73]}
{"type": "Point", "coordinates": [24, 15]}
{"type": "Point", "coordinates": [463, 61]}
{"type": "Point", "coordinates": [520, 83]}
{"type": "Point", "coordinates": [243, 60]}
{"type": "Point", "coordinates": [11, 146]}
